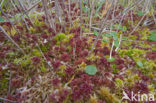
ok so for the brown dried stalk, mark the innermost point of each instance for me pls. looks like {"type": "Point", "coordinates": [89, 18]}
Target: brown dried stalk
{"type": "Point", "coordinates": [15, 6]}
{"type": "Point", "coordinates": [7, 35]}
{"type": "Point", "coordinates": [80, 17]}
{"type": "Point", "coordinates": [24, 11]}
{"type": "Point", "coordinates": [91, 15]}
{"type": "Point", "coordinates": [138, 23]}
{"type": "Point", "coordinates": [58, 11]}
{"type": "Point", "coordinates": [47, 15]}
{"type": "Point", "coordinates": [69, 12]}
{"type": "Point", "coordinates": [7, 100]}
{"type": "Point", "coordinates": [101, 30]}
{"type": "Point", "coordinates": [7, 18]}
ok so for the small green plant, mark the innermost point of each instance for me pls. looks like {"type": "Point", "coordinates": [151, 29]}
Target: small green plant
{"type": "Point", "coordinates": [152, 37]}
{"type": "Point", "coordinates": [91, 69]}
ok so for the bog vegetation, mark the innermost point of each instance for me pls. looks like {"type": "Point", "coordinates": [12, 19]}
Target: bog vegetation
{"type": "Point", "coordinates": [77, 51]}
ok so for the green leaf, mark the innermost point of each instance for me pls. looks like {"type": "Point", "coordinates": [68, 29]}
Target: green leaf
{"type": "Point", "coordinates": [111, 59]}
{"type": "Point", "coordinates": [107, 35]}
{"type": "Point", "coordinates": [1, 19]}
{"type": "Point", "coordinates": [96, 33]}
{"type": "Point", "coordinates": [91, 70]}
{"type": "Point", "coordinates": [85, 1]}
{"type": "Point", "coordinates": [104, 40]}
{"type": "Point", "coordinates": [140, 13]}
{"type": "Point", "coordinates": [119, 27]}
{"type": "Point", "coordinates": [124, 38]}
{"type": "Point", "coordinates": [99, 6]}
{"type": "Point", "coordinates": [116, 43]}
{"type": "Point", "coordinates": [85, 9]}
{"type": "Point", "coordinates": [114, 34]}
{"type": "Point", "coordinates": [115, 37]}
{"type": "Point", "coordinates": [124, 28]}
{"type": "Point", "coordinates": [152, 36]}
{"type": "Point", "coordinates": [139, 63]}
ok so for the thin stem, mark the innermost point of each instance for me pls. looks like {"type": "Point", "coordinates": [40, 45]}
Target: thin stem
{"type": "Point", "coordinates": [69, 6]}
{"type": "Point", "coordinates": [119, 42]}
{"type": "Point", "coordinates": [90, 19]}
{"type": "Point", "coordinates": [80, 17]}
{"type": "Point", "coordinates": [44, 57]}
{"type": "Point", "coordinates": [154, 17]}
{"type": "Point", "coordinates": [132, 18]}
{"type": "Point", "coordinates": [57, 11]}
{"type": "Point", "coordinates": [24, 11]}
{"type": "Point", "coordinates": [33, 6]}
{"type": "Point", "coordinates": [102, 30]}
{"type": "Point", "coordinates": [110, 55]}
{"type": "Point", "coordinates": [7, 18]}
{"type": "Point", "coordinates": [15, 6]}
{"type": "Point", "coordinates": [138, 23]}
{"type": "Point", "coordinates": [7, 100]}
{"type": "Point", "coordinates": [7, 35]}
{"type": "Point", "coordinates": [48, 19]}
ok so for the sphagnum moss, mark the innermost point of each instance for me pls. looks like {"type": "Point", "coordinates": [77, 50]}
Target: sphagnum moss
{"type": "Point", "coordinates": [106, 95]}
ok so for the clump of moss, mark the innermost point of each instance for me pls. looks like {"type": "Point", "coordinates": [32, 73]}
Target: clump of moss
{"type": "Point", "coordinates": [106, 95]}
{"type": "Point", "coordinates": [93, 99]}
{"type": "Point", "coordinates": [60, 36]}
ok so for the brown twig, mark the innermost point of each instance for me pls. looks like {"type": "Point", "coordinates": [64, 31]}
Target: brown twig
{"type": "Point", "coordinates": [69, 12]}
{"type": "Point", "coordinates": [91, 15]}
{"type": "Point", "coordinates": [138, 23]}
{"type": "Point", "coordinates": [101, 30]}
{"type": "Point", "coordinates": [7, 100]}
{"type": "Point", "coordinates": [24, 11]}
{"type": "Point", "coordinates": [48, 19]}
{"type": "Point", "coordinates": [15, 6]}
{"type": "Point", "coordinates": [7, 35]}
{"type": "Point", "coordinates": [7, 18]}
{"type": "Point", "coordinates": [80, 17]}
